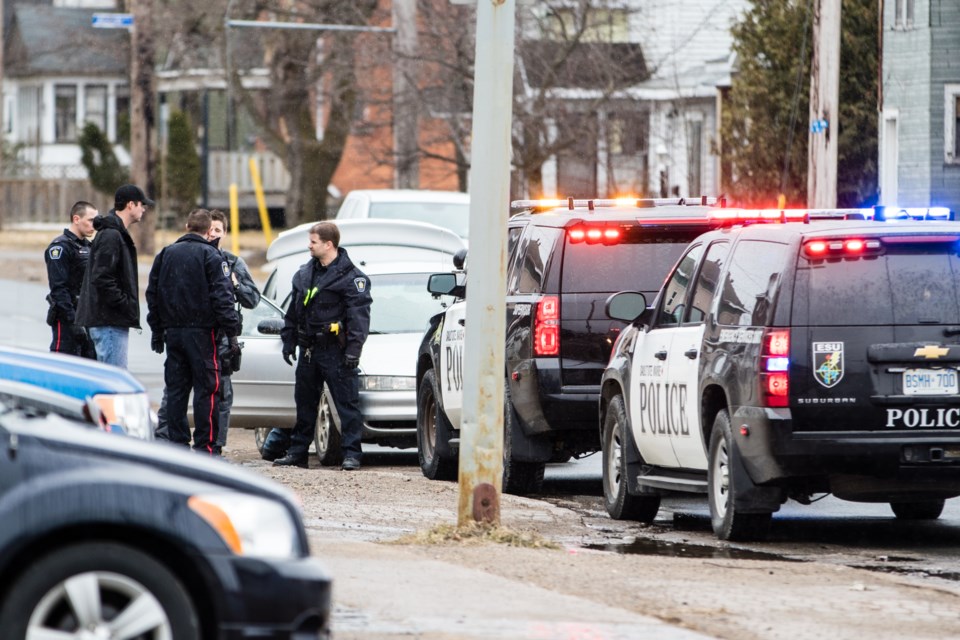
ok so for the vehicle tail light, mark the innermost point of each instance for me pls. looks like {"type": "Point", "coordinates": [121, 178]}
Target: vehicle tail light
{"type": "Point", "coordinates": [546, 323]}
{"type": "Point", "coordinates": [775, 368]}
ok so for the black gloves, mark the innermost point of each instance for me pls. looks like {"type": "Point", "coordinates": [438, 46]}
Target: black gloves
{"type": "Point", "coordinates": [156, 342]}
{"type": "Point", "coordinates": [234, 345]}
{"type": "Point", "coordinates": [79, 333]}
{"type": "Point", "coordinates": [351, 362]}
{"type": "Point", "coordinates": [289, 355]}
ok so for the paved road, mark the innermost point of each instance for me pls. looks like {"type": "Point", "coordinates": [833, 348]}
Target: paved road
{"type": "Point", "coordinates": [831, 530]}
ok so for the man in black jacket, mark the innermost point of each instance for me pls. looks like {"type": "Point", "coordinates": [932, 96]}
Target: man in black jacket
{"type": "Point", "coordinates": [329, 319]}
{"type": "Point", "coordinates": [109, 304]}
{"type": "Point", "coordinates": [189, 299]}
{"type": "Point", "coordinates": [66, 259]}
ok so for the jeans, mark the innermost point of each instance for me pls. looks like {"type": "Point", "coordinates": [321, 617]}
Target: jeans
{"type": "Point", "coordinates": [112, 344]}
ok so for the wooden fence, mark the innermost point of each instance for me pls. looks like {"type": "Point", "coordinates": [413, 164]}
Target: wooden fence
{"type": "Point", "coordinates": [32, 201]}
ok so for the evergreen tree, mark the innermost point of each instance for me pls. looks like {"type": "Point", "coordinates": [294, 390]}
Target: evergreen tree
{"type": "Point", "coordinates": [766, 118]}
{"type": "Point", "coordinates": [183, 164]}
{"type": "Point", "coordinates": [105, 171]}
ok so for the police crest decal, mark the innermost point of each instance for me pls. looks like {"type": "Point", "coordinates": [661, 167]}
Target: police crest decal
{"type": "Point", "coordinates": [226, 269]}
{"type": "Point", "coordinates": [828, 363]}
{"type": "Point", "coordinates": [361, 284]}
{"type": "Point", "coordinates": [55, 252]}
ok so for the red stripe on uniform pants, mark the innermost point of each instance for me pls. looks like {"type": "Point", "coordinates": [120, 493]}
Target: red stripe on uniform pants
{"type": "Point", "coordinates": [59, 329]}
{"type": "Point", "coordinates": [216, 389]}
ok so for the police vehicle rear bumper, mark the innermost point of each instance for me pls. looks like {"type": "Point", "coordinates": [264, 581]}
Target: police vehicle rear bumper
{"type": "Point", "coordinates": [773, 453]}
{"type": "Point", "coordinates": [540, 392]}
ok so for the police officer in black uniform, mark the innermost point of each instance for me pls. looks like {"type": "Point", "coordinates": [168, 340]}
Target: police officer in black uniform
{"type": "Point", "coordinates": [189, 299]}
{"type": "Point", "coordinates": [328, 319]}
{"type": "Point", "coordinates": [66, 259]}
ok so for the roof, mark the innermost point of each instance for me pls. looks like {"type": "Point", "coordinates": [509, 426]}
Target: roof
{"type": "Point", "coordinates": [591, 65]}
{"type": "Point", "coordinates": [660, 210]}
{"type": "Point", "coordinates": [825, 228]}
{"type": "Point", "coordinates": [47, 40]}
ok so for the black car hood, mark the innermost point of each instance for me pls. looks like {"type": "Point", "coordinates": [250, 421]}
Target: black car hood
{"type": "Point", "coordinates": [19, 431]}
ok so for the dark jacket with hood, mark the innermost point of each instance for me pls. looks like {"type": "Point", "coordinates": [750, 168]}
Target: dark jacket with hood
{"type": "Point", "coordinates": [110, 295]}
{"type": "Point", "coordinates": [190, 287]}
{"type": "Point", "coordinates": [342, 294]}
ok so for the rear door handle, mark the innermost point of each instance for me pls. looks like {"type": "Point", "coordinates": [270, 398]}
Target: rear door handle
{"type": "Point", "coordinates": [660, 355]}
{"type": "Point", "coordinates": [691, 353]}
{"type": "Point", "coordinates": [462, 322]}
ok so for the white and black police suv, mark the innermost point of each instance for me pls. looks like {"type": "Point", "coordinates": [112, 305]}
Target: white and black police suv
{"type": "Point", "coordinates": [565, 257]}
{"type": "Point", "coordinates": [787, 360]}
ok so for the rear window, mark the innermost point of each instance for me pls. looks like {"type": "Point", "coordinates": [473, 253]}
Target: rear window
{"type": "Point", "coordinates": [907, 285]}
{"type": "Point", "coordinates": [449, 215]}
{"type": "Point", "coordinates": [638, 262]}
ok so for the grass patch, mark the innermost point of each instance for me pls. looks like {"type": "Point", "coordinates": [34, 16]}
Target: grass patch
{"type": "Point", "coordinates": [477, 534]}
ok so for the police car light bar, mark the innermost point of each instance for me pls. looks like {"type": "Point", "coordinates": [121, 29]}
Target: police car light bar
{"type": "Point", "coordinates": [746, 216]}
{"type": "Point", "coordinates": [893, 213]}
{"type": "Point", "coordinates": [593, 203]}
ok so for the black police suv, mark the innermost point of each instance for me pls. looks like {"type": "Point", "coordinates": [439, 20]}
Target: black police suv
{"type": "Point", "coordinates": [787, 360]}
{"type": "Point", "coordinates": [564, 259]}
{"type": "Point", "coordinates": [107, 537]}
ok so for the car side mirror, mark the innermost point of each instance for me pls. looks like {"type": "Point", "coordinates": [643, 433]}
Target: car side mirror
{"type": "Point", "coordinates": [270, 326]}
{"type": "Point", "coordinates": [445, 284]}
{"type": "Point", "coordinates": [627, 306]}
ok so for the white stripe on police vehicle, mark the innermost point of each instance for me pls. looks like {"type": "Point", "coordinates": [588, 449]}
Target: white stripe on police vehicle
{"type": "Point", "coordinates": [923, 418]}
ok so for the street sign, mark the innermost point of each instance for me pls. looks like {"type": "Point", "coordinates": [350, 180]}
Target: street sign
{"type": "Point", "coordinates": [818, 126]}
{"type": "Point", "coordinates": [112, 20]}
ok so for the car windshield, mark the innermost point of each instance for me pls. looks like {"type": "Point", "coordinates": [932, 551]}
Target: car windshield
{"type": "Point", "coordinates": [401, 303]}
{"type": "Point", "coordinates": [449, 215]}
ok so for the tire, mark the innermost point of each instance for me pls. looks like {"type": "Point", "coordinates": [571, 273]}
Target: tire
{"type": "Point", "coordinates": [260, 436]}
{"type": "Point", "coordinates": [923, 510]}
{"type": "Point", "coordinates": [728, 522]}
{"type": "Point", "coordinates": [119, 579]}
{"type": "Point", "coordinates": [519, 477]}
{"type": "Point", "coordinates": [326, 437]}
{"type": "Point", "coordinates": [433, 427]}
{"type": "Point", "coordinates": [617, 499]}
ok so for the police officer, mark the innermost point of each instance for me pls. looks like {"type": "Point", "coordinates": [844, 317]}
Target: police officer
{"type": "Point", "coordinates": [66, 259]}
{"type": "Point", "coordinates": [328, 319]}
{"type": "Point", "coordinates": [189, 299]}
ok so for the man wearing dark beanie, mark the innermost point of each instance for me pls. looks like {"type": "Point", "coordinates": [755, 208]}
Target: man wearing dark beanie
{"type": "Point", "coordinates": [109, 303]}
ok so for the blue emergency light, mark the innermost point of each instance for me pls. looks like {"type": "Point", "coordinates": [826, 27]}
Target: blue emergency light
{"type": "Point", "coordinates": [886, 213]}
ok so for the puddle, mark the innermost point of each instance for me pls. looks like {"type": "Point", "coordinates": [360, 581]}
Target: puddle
{"type": "Point", "coordinates": [915, 572]}
{"type": "Point", "coordinates": [645, 547]}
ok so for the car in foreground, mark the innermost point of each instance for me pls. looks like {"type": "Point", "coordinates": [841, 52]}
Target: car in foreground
{"type": "Point", "coordinates": [784, 360]}
{"type": "Point", "coordinates": [402, 307]}
{"type": "Point", "coordinates": [564, 258]}
{"type": "Point", "coordinates": [447, 209]}
{"type": "Point", "coordinates": [65, 384]}
{"type": "Point", "coordinates": [105, 537]}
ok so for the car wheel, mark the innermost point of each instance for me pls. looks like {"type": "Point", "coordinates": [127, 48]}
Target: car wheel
{"type": "Point", "coordinates": [519, 477]}
{"type": "Point", "coordinates": [326, 437]}
{"type": "Point", "coordinates": [99, 590]}
{"type": "Point", "coordinates": [260, 437]}
{"type": "Point", "coordinates": [729, 522]}
{"type": "Point", "coordinates": [433, 427]}
{"type": "Point", "coordinates": [922, 510]}
{"type": "Point", "coordinates": [620, 504]}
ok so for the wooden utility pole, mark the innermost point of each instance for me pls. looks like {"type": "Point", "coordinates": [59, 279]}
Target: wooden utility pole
{"type": "Point", "coordinates": [142, 117]}
{"type": "Point", "coordinates": [406, 130]}
{"type": "Point", "coordinates": [824, 106]}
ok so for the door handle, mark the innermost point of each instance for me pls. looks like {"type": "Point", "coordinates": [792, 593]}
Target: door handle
{"type": "Point", "coordinates": [691, 353]}
{"type": "Point", "coordinates": [660, 355]}
{"type": "Point", "coordinates": [462, 322]}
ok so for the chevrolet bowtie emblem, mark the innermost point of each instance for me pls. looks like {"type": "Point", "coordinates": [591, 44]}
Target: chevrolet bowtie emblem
{"type": "Point", "coordinates": [931, 352]}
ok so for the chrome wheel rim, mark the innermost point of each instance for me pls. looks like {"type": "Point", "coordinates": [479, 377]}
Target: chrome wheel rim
{"type": "Point", "coordinates": [614, 463]}
{"type": "Point", "coordinates": [99, 605]}
{"type": "Point", "coordinates": [260, 436]}
{"type": "Point", "coordinates": [721, 479]}
{"type": "Point", "coordinates": [429, 427]}
{"type": "Point", "coordinates": [324, 424]}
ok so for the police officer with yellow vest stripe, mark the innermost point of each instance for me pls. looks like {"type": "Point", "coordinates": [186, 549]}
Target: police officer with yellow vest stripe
{"type": "Point", "coordinates": [328, 319]}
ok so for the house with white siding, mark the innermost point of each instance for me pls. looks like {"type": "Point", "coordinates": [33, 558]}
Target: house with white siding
{"type": "Point", "coordinates": [919, 152]}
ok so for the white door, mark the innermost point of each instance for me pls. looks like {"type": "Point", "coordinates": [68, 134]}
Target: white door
{"type": "Point", "coordinates": [649, 397]}
{"type": "Point", "coordinates": [450, 375]}
{"type": "Point", "coordinates": [683, 397]}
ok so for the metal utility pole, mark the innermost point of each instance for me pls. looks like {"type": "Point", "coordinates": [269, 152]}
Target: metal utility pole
{"type": "Point", "coordinates": [406, 130]}
{"type": "Point", "coordinates": [142, 116]}
{"type": "Point", "coordinates": [824, 106]}
{"type": "Point", "coordinates": [481, 427]}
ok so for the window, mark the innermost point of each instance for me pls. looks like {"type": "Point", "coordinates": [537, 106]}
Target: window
{"type": "Point", "coordinates": [122, 101]}
{"type": "Point", "coordinates": [627, 134]}
{"type": "Point", "coordinates": [905, 12]}
{"type": "Point", "coordinates": [751, 284]}
{"type": "Point", "coordinates": [95, 105]}
{"type": "Point", "coordinates": [951, 124]}
{"type": "Point", "coordinates": [28, 114]}
{"type": "Point", "coordinates": [596, 25]}
{"type": "Point", "coordinates": [675, 290]}
{"type": "Point", "coordinates": [533, 259]}
{"type": "Point", "coordinates": [707, 281]}
{"type": "Point", "coordinates": [65, 107]}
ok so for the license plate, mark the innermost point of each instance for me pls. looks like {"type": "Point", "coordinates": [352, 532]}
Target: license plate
{"type": "Point", "coordinates": [930, 382]}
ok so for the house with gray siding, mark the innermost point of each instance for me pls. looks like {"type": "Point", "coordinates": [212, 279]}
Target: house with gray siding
{"type": "Point", "coordinates": [920, 104]}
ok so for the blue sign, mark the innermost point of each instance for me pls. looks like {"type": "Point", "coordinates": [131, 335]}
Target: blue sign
{"type": "Point", "coordinates": [818, 126]}
{"type": "Point", "coordinates": [112, 20]}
